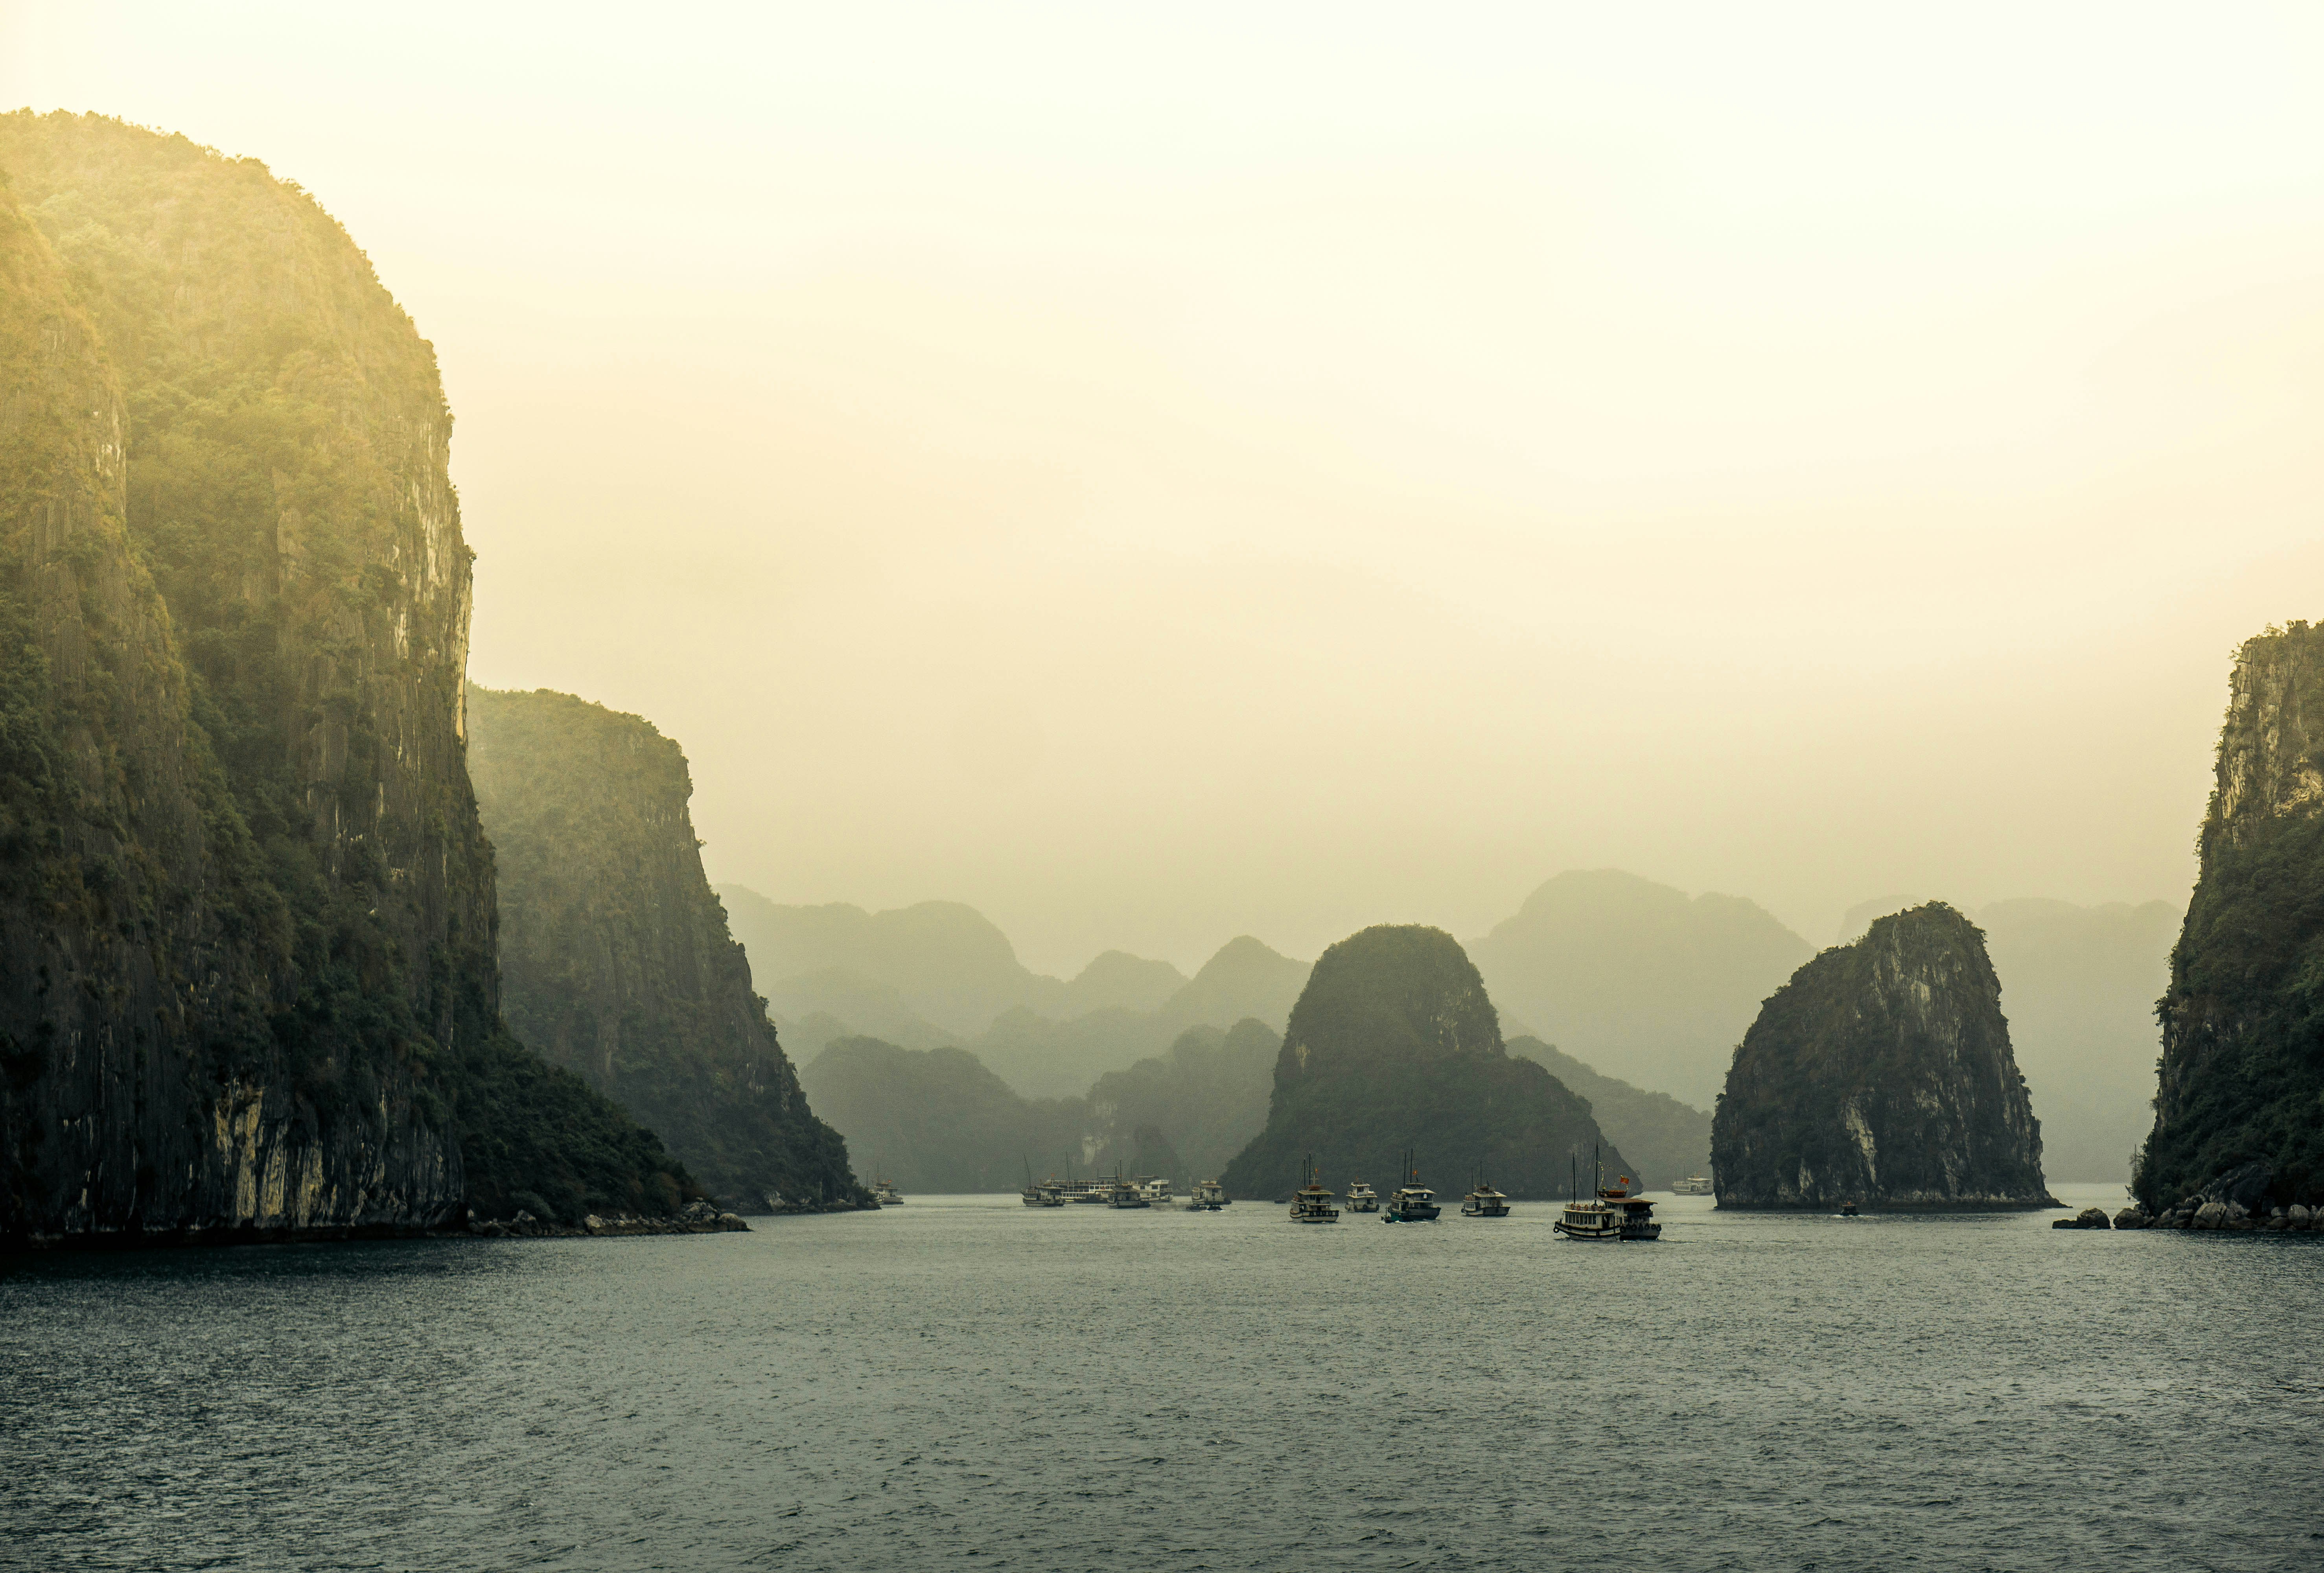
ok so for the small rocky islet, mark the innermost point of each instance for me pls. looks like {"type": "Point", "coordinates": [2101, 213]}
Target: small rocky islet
{"type": "Point", "coordinates": [1881, 1076]}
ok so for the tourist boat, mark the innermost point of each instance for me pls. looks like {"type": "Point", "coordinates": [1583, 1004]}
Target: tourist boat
{"type": "Point", "coordinates": [1411, 1202]}
{"type": "Point", "coordinates": [1156, 1192]}
{"type": "Point", "coordinates": [1484, 1201]}
{"type": "Point", "coordinates": [1362, 1197]}
{"type": "Point", "coordinates": [1312, 1204]}
{"type": "Point", "coordinates": [1082, 1192]}
{"type": "Point", "coordinates": [886, 1195]}
{"type": "Point", "coordinates": [1693, 1185]}
{"type": "Point", "coordinates": [1615, 1213]}
{"type": "Point", "coordinates": [1043, 1195]}
{"type": "Point", "coordinates": [1207, 1196]}
{"type": "Point", "coordinates": [1848, 1210]}
{"type": "Point", "coordinates": [1121, 1193]}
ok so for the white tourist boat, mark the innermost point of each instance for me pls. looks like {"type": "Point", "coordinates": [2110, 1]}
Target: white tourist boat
{"type": "Point", "coordinates": [1122, 1194]}
{"type": "Point", "coordinates": [886, 1195]}
{"type": "Point", "coordinates": [1484, 1202]}
{"type": "Point", "coordinates": [1312, 1204]}
{"type": "Point", "coordinates": [1207, 1196]}
{"type": "Point", "coordinates": [1044, 1194]}
{"type": "Point", "coordinates": [1156, 1192]}
{"type": "Point", "coordinates": [1362, 1197]}
{"type": "Point", "coordinates": [1693, 1185]}
{"type": "Point", "coordinates": [1411, 1202]}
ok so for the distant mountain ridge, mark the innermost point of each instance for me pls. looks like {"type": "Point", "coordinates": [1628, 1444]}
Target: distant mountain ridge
{"type": "Point", "coordinates": [940, 974]}
{"type": "Point", "coordinates": [1666, 1139]}
{"type": "Point", "coordinates": [1638, 979]}
{"type": "Point", "coordinates": [939, 1120]}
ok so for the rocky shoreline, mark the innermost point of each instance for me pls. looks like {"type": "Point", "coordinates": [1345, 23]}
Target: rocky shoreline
{"type": "Point", "coordinates": [2237, 1201]}
{"type": "Point", "coordinates": [697, 1218]}
{"type": "Point", "coordinates": [2195, 1213]}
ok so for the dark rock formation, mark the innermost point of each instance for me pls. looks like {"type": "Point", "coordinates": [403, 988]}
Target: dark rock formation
{"type": "Point", "coordinates": [247, 979]}
{"type": "Point", "coordinates": [616, 958]}
{"type": "Point", "coordinates": [1881, 1074]}
{"type": "Point", "coordinates": [2087, 1218]}
{"type": "Point", "coordinates": [2239, 1110]}
{"type": "Point", "coordinates": [1393, 1044]}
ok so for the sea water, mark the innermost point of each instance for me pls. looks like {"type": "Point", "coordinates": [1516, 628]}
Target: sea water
{"type": "Point", "coordinates": [964, 1382]}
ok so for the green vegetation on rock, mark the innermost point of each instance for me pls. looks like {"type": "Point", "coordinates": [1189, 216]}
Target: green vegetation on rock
{"type": "Point", "coordinates": [2242, 1073]}
{"type": "Point", "coordinates": [1881, 1074]}
{"type": "Point", "coordinates": [247, 978]}
{"type": "Point", "coordinates": [616, 958]}
{"type": "Point", "coordinates": [1394, 1043]}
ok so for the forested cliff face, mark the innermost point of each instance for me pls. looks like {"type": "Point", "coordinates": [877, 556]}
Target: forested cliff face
{"type": "Point", "coordinates": [2241, 1096]}
{"type": "Point", "coordinates": [1393, 1044]}
{"type": "Point", "coordinates": [247, 978]}
{"type": "Point", "coordinates": [1882, 1074]}
{"type": "Point", "coordinates": [616, 957]}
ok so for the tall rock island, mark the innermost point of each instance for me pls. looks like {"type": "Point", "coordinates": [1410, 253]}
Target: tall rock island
{"type": "Point", "coordinates": [616, 958]}
{"type": "Point", "coordinates": [1393, 1044]}
{"type": "Point", "coordinates": [246, 975]}
{"type": "Point", "coordinates": [1881, 1074]}
{"type": "Point", "coordinates": [2239, 1111]}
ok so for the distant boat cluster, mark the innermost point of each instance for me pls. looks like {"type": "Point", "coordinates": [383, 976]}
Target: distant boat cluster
{"type": "Point", "coordinates": [1614, 1212]}
{"type": "Point", "coordinates": [1121, 1192]}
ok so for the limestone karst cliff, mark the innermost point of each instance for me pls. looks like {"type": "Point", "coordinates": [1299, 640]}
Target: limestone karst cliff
{"type": "Point", "coordinates": [616, 958]}
{"type": "Point", "coordinates": [246, 975]}
{"type": "Point", "coordinates": [1881, 1074]}
{"type": "Point", "coordinates": [2241, 1092]}
{"type": "Point", "coordinates": [1394, 1043]}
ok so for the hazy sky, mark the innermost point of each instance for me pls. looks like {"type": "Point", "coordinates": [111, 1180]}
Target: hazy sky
{"type": "Point", "coordinates": [1157, 473]}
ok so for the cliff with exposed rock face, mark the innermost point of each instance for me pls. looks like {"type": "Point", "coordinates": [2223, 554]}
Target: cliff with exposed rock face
{"type": "Point", "coordinates": [246, 980]}
{"type": "Point", "coordinates": [1393, 1044]}
{"type": "Point", "coordinates": [616, 958]}
{"type": "Point", "coordinates": [1881, 1074]}
{"type": "Point", "coordinates": [2239, 1108]}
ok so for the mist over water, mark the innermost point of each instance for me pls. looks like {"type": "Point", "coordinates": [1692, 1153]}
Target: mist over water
{"type": "Point", "coordinates": [962, 1382]}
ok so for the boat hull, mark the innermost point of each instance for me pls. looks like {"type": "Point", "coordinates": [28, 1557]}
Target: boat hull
{"type": "Point", "coordinates": [1412, 1216]}
{"type": "Point", "coordinates": [1618, 1232]}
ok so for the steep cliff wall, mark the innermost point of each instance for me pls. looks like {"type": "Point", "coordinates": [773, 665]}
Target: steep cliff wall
{"type": "Point", "coordinates": [616, 957]}
{"type": "Point", "coordinates": [248, 983]}
{"type": "Point", "coordinates": [1881, 1074]}
{"type": "Point", "coordinates": [2241, 1096]}
{"type": "Point", "coordinates": [1394, 1043]}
